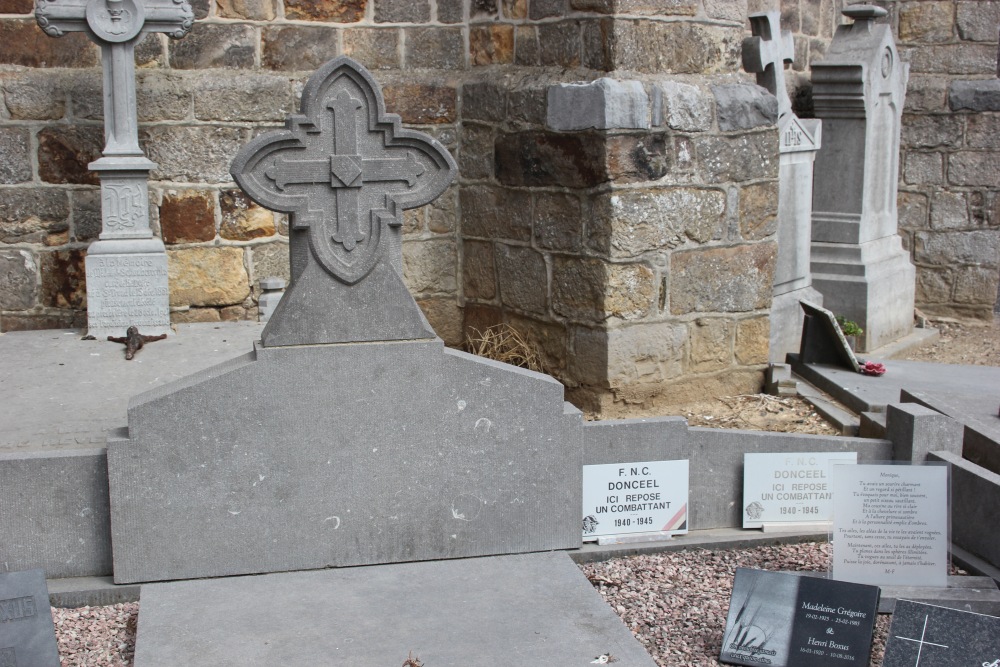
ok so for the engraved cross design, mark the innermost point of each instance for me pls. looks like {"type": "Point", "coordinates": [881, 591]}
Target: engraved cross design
{"type": "Point", "coordinates": [343, 169]}
{"type": "Point", "coordinates": [766, 53]}
{"type": "Point", "coordinates": [920, 642]}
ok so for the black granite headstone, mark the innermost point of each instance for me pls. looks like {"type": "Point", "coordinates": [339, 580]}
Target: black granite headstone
{"type": "Point", "coordinates": [786, 620]}
{"type": "Point", "coordinates": [924, 635]}
{"type": "Point", "coordinates": [27, 636]}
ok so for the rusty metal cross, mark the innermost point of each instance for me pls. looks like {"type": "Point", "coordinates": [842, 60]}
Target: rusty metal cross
{"type": "Point", "coordinates": [766, 53]}
{"type": "Point", "coordinates": [343, 169]}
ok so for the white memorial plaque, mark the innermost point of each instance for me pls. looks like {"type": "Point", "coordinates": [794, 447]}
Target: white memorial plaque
{"type": "Point", "coordinates": [890, 524]}
{"type": "Point", "coordinates": [789, 488]}
{"type": "Point", "coordinates": [628, 498]}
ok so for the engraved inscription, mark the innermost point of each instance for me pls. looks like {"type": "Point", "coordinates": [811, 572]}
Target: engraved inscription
{"type": "Point", "coordinates": [793, 136]}
{"type": "Point", "coordinates": [7, 657]}
{"type": "Point", "coordinates": [15, 609]}
{"type": "Point", "coordinates": [125, 206]}
{"type": "Point", "coordinates": [127, 290]}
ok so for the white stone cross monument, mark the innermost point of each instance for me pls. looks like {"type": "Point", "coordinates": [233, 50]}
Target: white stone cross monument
{"type": "Point", "coordinates": [858, 260]}
{"type": "Point", "coordinates": [799, 139]}
{"type": "Point", "coordinates": [127, 266]}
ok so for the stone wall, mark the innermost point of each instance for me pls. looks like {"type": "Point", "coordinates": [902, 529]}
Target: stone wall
{"type": "Point", "coordinates": [949, 189]}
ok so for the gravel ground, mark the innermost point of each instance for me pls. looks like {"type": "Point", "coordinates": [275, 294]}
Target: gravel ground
{"type": "Point", "coordinates": [96, 636]}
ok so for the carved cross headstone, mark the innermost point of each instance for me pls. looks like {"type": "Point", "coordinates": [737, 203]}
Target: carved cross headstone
{"type": "Point", "coordinates": [127, 267]}
{"type": "Point", "coordinates": [766, 53]}
{"type": "Point", "coordinates": [345, 170]}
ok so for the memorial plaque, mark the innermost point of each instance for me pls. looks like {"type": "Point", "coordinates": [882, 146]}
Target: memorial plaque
{"type": "Point", "coordinates": [890, 524]}
{"type": "Point", "coordinates": [27, 635]}
{"type": "Point", "coordinates": [642, 497]}
{"type": "Point", "coordinates": [123, 290]}
{"type": "Point", "coordinates": [789, 488]}
{"type": "Point", "coordinates": [924, 635]}
{"type": "Point", "coordinates": [786, 620]}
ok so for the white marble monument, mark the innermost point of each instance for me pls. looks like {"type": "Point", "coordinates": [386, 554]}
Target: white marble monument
{"type": "Point", "coordinates": [858, 260]}
{"type": "Point", "coordinates": [127, 266]}
{"type": "Point", "coordinates": [765, 55]}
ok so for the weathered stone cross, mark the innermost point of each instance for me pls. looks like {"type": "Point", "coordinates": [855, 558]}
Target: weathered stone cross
{"type": "Point", "coordinates": [766, 53]}
{"type": "Point", "coordinates": [345, 170]}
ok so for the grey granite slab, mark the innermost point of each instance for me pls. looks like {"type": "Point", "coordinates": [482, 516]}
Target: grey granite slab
{"type": "Point", "coordinates": [27, 636]}
{"type": "Point", "coordinates": [535, 609]}
{"type": "Point", "coordinates": [923, 634]}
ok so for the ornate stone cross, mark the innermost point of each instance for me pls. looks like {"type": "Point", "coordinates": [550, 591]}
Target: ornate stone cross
{"type": "Point", "coordinates": [345, 170]}
{"type": "Point", "coordinates": [127, 267]}
{"type": "Point", "coordinates": [766, 53]}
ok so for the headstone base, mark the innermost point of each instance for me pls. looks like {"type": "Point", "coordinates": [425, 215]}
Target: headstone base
{"type": "Point", "coordinates": [871, 283]}
{"type": "Point", "coordinates": [126, 286]}
{"type": "Point", "coordinates": [786, 321]}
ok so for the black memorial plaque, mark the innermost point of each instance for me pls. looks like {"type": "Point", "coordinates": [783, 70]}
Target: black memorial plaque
{"type": "Point", "coordinates": [924, 635]}
{"type": "Point", "coordinates": [27, 636]}
{"type": "Point", "coordinates": [785, 620]}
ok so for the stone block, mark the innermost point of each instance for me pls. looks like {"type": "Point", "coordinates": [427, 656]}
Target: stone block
{"type": "Point", "coordinates": [933, 285]}
{"type": "Point", "coordinates": [758, 210]}
{"type": "Point", "coordinates": [915, 431]}
{"type": "Point", "coordinates": [430, 267]}
{"type": "Point", "coordinates": [297, 47]}
{"type": "Point", "coordinates": [333, 11]}
{"type": "Point", "coordinates": [638, 158]}
{"type": "Point", "coordinates": [912, 210]}
{"type": "Point", "coordinates": [923, 168]}
{"type": "Point", "coordinates": [198, 154]}
{"type": "Point", "coordinates": [547, 339]}
{"type": "Point", "coordinates": [675, 47]}
{"type": "Point", "coordinates": [949, 211]}
{"type": "Point", "coordinates": [215, 45]}
{"type": "Point", "coordinates": [450, 11]}
{"type": "Point", "coordinates": [976, 95]}
{"type": "Point", "coordinates": [586, 289]}
{"type": "Point", "coordinates": [479, 279]}
{"type": "Point", "coordinates": [526, 45]}
{"type": "Point", "coordinates": [187, 216]}
{"type": "Point", "coordinates": [724, 10]}
{"type": "Point", "coordinates": [983, 131]}
{"type": "Point", "coordinates": [422, 103]}
{"type": "Point", "coordinates": [475, 160]}
{"type": "Point", "coordinates": [542, 9]}
{"type": "Point", "coordinates": [744, 107]}
{"type": "Point", "coordinates": [752, 337]}
{"type": "Point", "coordinates": [977, 247]}
{"type": "Point", "coordinates": [484, 9]}
{"type": "Point", "coordinates": [55, 514]}
{"type": "Point", "coordinates": [87, 223]}
{"type": "Point", "coordinates": [644, 354]}
{"type": "Point", "coordinates": [725, 280]}
{"type": "Point", "coordinates": [495, 213]}
{"type": "Point", "coordinates": [961, 58]}
{"type": "Point", "coordinates": [38, 94]}
{"type": "Point", "coordinates": [402, 11]}
{"type": "Point", "coordinates": [485, 101]}
{"type": "Point", "coordinates": [926, 22]}
{"type": "Point", "coordinates": [969, 168]}
{"type": "Point", "coordinates": [207, 277]}
{"type": "Point", "coordinates": [160, 95]}
{"type": "Point", "coordinates": [976, 285]}
{"type": "Point", "coordinates": [558, 222]}
{"type": "Point", "coordinates": [681, 106]}
{"type": "Point", "coordinates": [527, 105]}
{"type": "Point", "coordinates": [195, 316]}
{"type": "Point", "coordinates": [501, 426]}
{"type": "Point", "coordinates": [597, 45]}
{"type": "Point", "coordinates": [269, 260]}
{"type": "Point", "coordinates": [23, 43]}
{"type": "Point", "coordinates": [28, 215]}
{"type": "Point", "coordinates": [711, 342]}
{"type": "Point", "coordinates": [975, 492]}
{"type": "Point", "coordinates": [15, 160]}
{"type": "Point", "coordinates": [977, 20]}
{"type": "Point", "coordinates": [64, 279]}
{"type": "Point", "coordinates": [243, 220]}
{"type": "Point", "coordinates": [738, 158]}
{"type": "Point", "coordinates": [597, 6]}
{"type": "Point", "coordinates": [931, 131]}
{"type": "Point", "coordinates": [559, 44]}
{"type": "Point", "coordinates": [629, 223]}
{"type": "Point", "coordinates": [549, 158]}
{"type": "Point", "coordinates": [250, 10]}
{"type": "Point", "coordinates": [491, 44]}
{"type": "Point", "coordinates": [16, 7]}
{"type": "Point", "coordinates": [18, 279]}
{"type": "Point", "coordinates": [65, 151]}
{"type": "Point", "coordinates": [436, 48]}
{"type": "Point", "coordinates": [522, 278]}
{"type": "Point", "coordinates": [926, 93]}
{"type": "Point", "coordinates": [373, 47]}
{"type": "Point", "coordinates": [602, 105]}
{"type": "Point", "coordinates": [242, 96]}
{"type": "Point", "coordinates": [445, 317]}
{"type": "Point", "coordinates": [514, 9]}
{"type": "Point", "coordinates": [442, 213]}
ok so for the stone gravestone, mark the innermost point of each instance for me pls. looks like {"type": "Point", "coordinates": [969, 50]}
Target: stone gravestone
{"type": "Point", "coordinates": [858, 261]}
{"type": "Point", "coordinates": [127, 267]}
{"type": "Point", "coordinates": [385, 446]}
{"type": "Point", "coordinates": [799, 139]}
{"type": "Point", "coordinates": [923, 635]}
{"type": "Point", "coordinates": [27, 636]}
{"type": "Point", "coordinates": [787, 620]}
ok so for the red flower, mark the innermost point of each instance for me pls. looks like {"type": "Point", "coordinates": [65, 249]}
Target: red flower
{"type": "Point", "coordinates": [873, 368]}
